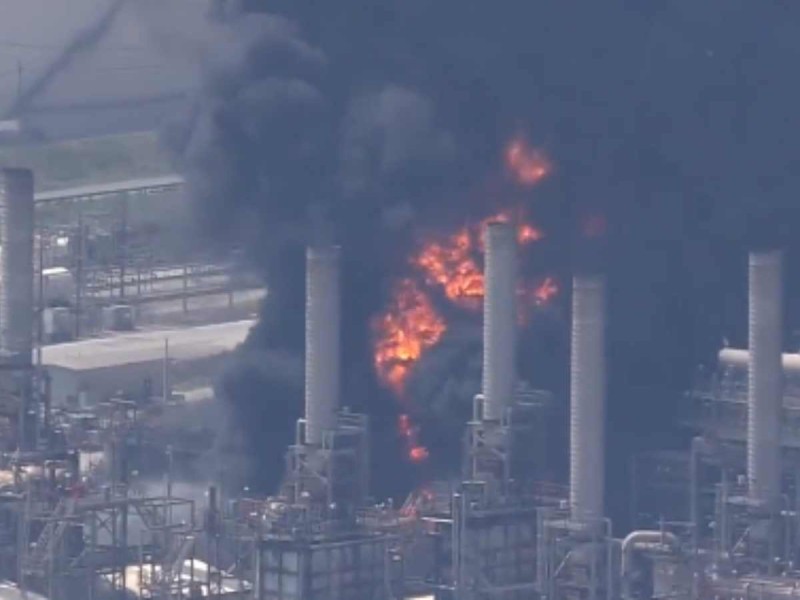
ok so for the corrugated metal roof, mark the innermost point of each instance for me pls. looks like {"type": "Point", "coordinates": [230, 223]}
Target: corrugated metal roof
{"type": "Point", "coordinates": [190, 343]}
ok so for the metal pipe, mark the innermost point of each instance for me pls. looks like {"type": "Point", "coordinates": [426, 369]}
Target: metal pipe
{"type": "Point", "coordinates": [765, 376]}
{"type": "Point", "coordinates": [736, 358]}
{"type": "Point", "coordinates": [645, 539]}
{"type": "Point", "coordinates": [16, 265]}
{"type": "Point", "coordinates": [499, 320]}
{"type": "Point", "coordinates": [587, 398]}
{"type": "Point", "coordinates": [323, 307]}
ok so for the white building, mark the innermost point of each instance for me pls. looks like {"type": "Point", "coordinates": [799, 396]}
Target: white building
{"type": "Point", "coordinates": [96, 369]}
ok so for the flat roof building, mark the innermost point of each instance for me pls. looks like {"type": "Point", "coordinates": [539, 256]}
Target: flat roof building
{"type": "Point", "coordinates": [96, 369]}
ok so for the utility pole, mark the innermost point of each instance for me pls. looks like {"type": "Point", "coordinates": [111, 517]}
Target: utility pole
{"type": "Point", "coordinates": [123, 245]}
{"type": "Point", "coordinates": [19, 79]}
{"type": "Point", "coordinates": [79, 273]}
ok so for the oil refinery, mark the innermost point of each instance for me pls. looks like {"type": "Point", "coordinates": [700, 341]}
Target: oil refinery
{"type": "Point", "coordinates": [86, 418]}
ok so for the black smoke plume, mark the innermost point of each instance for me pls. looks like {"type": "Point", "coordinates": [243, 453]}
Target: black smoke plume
{"type": "Point", "coordinates": [675, 123]}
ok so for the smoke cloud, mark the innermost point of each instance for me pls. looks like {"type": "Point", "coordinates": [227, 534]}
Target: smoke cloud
{"type": "Point", "coordinates": [369, 121]}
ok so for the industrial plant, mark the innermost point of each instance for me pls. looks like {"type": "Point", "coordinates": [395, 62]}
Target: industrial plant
{"type": "Point", "coordinates": [97, 406]}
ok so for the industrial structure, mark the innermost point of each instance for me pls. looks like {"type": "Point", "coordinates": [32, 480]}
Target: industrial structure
{"type": "Point", "coordinates": [90, 508]}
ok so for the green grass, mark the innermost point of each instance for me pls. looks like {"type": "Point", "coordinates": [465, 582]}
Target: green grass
{"type": "Point", "coordinates": [89, 161]}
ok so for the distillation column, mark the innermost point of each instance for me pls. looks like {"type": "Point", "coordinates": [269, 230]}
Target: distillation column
{"type": "Point", "coordinates": [16, 265]}
{"type": "Point", "coordinates": [587, 398]}
{"type": "Point", "coordinates": [765, 377]}
{"type": "Point", "coordinates": [499, 320]}
{"type": "Point", "coordinates": [323, 307]}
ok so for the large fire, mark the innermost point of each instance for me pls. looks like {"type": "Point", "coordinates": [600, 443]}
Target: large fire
{"type": "Point", "coordinates": [407, 328]}
{"type": "Point", "coordinates": [451, 264]}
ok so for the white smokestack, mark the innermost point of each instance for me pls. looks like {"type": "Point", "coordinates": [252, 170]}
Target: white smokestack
{"type": "Point", "coordinates": [16, 265]}
{"type": "Point", "coordinates": [765, 377]}
{"type": "Point", "coordinates": [587, 398]}
{"type": "Point", "coordinates": [499, 319]}
{"type": "Point", "coordinates": [323, 303]}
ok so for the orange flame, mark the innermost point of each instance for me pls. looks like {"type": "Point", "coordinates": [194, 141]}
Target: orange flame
{"type": "Point", "coordinates": [407, 328]}
{"type": "Point", "coordinates": [545, 291]}
{"type": "Point", "coordinates": [528, 166]}
{"type": "Point", "coordinates": [411, 324]}
{"type": "Point", "coordinates": [450, 265]}
{"type": "Point", "coordinates": [416, 452]}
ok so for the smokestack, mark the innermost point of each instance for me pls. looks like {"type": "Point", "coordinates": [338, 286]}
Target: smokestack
{"type": "Point", "coordinates": [323, 304]}
{"type": "Point", "coordinates": [765, 378]}
{"type": "Point", "coordinates": [587, 398]}
{"type": "Point", "coordinates": [499, 319]}
{"type": "Point", "coordinates": [16, 265]}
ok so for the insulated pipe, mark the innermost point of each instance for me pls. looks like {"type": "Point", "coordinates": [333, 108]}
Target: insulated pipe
{"type": "Point", "coordinates": [736, 358]}
{"type": "Point", "coordinates": [645, 540]}
{"type": "Point", "coordinates": [16, 265]}
{"type": "Point", "coordinates": [323, 305]}
{"type": "Point", "coordinates": [587, 398]}
{"type": "Point", "coordinates": [499, 320]}
{"type": "Point", "coordinates": [765, 376]}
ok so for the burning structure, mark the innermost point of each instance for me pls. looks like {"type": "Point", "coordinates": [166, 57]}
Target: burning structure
{"type": "Point", "coordinates": [499, 529]}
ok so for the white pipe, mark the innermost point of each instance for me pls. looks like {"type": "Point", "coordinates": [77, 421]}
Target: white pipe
{"type": "Point", "coordinates": [16, 264]}
{"type": "Point", "coordinates": [765, 376]}
{"type": "Point", "coordinates": [499, 320]}
{"type": "Point", "coordinates": [645, 539]}
{"type": "Point", "coordinates": [736, 358]}
{"type": "Point", "coordinates": [323, 306]}
{"type": "Point", "coordinates": [587, 398]}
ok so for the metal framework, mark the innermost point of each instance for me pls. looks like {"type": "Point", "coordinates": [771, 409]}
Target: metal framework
{"type": "Point", "coordinates": [85, 542]}
{"type": "Point", "coordinates": [577, 559]}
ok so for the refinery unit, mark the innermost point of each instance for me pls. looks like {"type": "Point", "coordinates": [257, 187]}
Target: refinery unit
{"type": "Point", "coordinates": [720, 519]}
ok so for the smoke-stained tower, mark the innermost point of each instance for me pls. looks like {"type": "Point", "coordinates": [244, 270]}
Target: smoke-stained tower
{"type": "Point", "coordinates": [587, 398]}
{"type": "Point", "coordinates": [499, 320]}
{"type": "Point", "coordinates": [323, 304]}
{"type": "Point", "coordinates": [16, 265]}
{"type": "Point", "coordinates": [765, 377]}
{"type": "Point", "coordinates": [16, 296]}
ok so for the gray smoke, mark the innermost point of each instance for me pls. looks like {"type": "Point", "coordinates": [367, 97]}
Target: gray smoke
{"type": "Point", "coordinates": [386, 132]}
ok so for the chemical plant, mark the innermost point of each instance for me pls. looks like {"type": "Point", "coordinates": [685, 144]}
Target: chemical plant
{"type": "Point", "coordinates": [85, 420]}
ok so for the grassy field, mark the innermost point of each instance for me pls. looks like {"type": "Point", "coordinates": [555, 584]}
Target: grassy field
{"type": "Point", "coordinates": [94, 160]}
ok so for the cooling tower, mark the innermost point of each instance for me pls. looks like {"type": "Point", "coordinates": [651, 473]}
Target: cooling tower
{"type": "Point", "coordinates": [323, 304]}
{"type": "Point", "coordinates": [587, 398]}
{"type": "Point", "coordinates": [765, 377]}
{"type": "Point", "coordinates": [16, 265]}
{"type": "Point", "coordinates": [499, 319]}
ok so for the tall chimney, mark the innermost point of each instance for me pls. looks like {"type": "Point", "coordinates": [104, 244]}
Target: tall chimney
{"type": "Point", "coordinates": [16, 265]}
{"type": "Point", "coordinates": [587, 398]}
{"type": "Point", "coordinates": [499, 320]}
{"type": "Point", "coordinates": [765, 377]}
{"type": "Point", "coordinates": [323, 304]}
